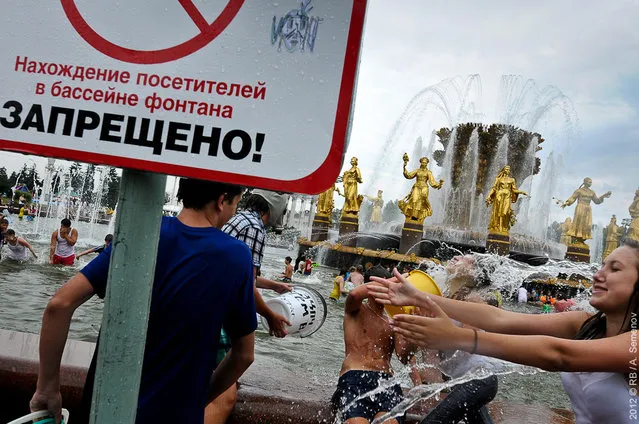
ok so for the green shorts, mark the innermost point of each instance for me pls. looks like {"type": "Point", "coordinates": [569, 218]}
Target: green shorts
{"type": "Point", "coordinates": [224, 345]}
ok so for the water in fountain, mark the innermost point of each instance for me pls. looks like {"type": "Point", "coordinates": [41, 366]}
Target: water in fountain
{"type": "Point", "coordinates": [596, 244]}
{"type": "Point", "coordinates": [57, 201]}
{"type": "Point", "coordinates": [521, 103]}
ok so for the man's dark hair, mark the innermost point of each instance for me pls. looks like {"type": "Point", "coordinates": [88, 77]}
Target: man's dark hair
{"type": "Point", "coordinates": [10, 232]}
{"type": "Point", "coordinates": [196, 194]}
{"type": "Point", "coordinates": [109, 237]}
{"type": "Point", "coordinates": [66, 222]}
{"type": "Point", "coordinates": [4, 221]}
{"type": "Point", "coordinates": [376, 271]}
{"type": "Point", "coordinates": [257, 203]}
{"type": "Point", "coordinates": [288, 259]}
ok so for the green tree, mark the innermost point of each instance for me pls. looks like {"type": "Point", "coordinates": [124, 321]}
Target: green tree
{"type": "Point", "coordinates": [5, 187]}
{"type": "Point", "coordinates": [31, 178]}
{"type": "Point", "coordinates": [13, 179]}
{"type": "Point", "coordinates": [113, 188]}
{"type": "Point", "coordinates": [77, 178]}
{"type": "Point", "coordinates": [87, 183]}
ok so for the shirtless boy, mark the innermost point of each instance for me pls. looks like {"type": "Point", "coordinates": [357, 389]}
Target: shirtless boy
{"type": "Point", "coordinates": [369, 345]}
{"type": "Point", "coordinates": [287, 275]}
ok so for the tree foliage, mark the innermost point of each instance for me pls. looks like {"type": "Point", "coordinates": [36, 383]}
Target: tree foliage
{"type": "Point", "coordinates": [112, 187]}
{"type": "Point", "coordinates": [5, 186]}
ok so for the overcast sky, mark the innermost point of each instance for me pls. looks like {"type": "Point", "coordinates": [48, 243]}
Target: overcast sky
{"type": "Point", "coordinates": [589, 50]}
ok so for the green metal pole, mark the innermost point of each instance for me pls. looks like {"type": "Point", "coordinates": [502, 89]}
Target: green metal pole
{"type": "Point", "coordinates": [128, 296]}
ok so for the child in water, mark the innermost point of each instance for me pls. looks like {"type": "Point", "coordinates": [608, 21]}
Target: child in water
{"type": "Point", "coordinates": [339, 288]}
{"type": "Point", "coordinates": [17, 247]}
{"type": "Point", "coordinates": [287, 275]}
{"type": "Point", "coordinates": [99, 249]}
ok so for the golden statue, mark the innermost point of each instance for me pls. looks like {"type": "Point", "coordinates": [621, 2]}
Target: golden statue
{"type": "Point", "coordinates": [501, 195]}
{"type": "Point", "coordinates": [582, 221]}
{"type": "Point", "coordinates": [565, 238]}
{"type": "Point", "coordinates": [325, 203]}
{"type": "Point", "coordinates": [378, 202]}
{"type": "Point", "coordinates": [612, 237]}
{"type": "Point", "coordinates": [416, 206]}
{"type": "Point", "coordinates": [633, 231]}
{"type": "Point", "coordinates": [350, 179]}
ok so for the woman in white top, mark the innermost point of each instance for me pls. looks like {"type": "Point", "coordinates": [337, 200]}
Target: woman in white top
{"type": "Point", "coordinates": [16, 247]}
{"type": "Point", "coordinates": [597, 354]}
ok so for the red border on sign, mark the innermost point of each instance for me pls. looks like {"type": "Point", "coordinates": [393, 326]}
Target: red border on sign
{"type": "Point", "coordinates": [318, 181]}
{"type": "Point", "coordinates": [147, 57]}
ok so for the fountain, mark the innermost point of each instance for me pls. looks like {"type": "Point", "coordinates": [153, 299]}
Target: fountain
{"type": "Point", "coordinates": [466, 153]}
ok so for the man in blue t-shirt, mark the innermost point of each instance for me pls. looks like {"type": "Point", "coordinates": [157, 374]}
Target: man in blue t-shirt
{"type": "Point", "coordinates": [203, 281]}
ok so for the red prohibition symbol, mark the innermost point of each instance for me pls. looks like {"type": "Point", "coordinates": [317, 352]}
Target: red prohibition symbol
{"type": "Point", "coordinates": [208, 32]}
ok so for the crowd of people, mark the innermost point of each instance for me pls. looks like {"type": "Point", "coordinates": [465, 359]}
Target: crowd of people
{"type": "Point", "coordinates": [207, 273]}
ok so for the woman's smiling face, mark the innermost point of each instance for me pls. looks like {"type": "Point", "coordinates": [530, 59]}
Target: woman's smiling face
{"type": "Point", "coordinates": [614, 283]}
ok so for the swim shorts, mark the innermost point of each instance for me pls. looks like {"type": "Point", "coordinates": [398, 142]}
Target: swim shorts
{"type": "Point", "coordinates": [67, 261]}
{"type": "Point", "coordinates": [355, 383]}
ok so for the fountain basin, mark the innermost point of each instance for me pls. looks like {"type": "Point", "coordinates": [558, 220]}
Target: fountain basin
{"type": "Point", "coordinates": [256, 404]}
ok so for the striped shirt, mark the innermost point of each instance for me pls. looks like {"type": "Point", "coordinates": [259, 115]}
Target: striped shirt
{"type": "Point", "coordinates": [248, 227]}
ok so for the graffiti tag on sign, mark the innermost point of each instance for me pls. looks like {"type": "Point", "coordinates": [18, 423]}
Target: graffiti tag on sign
{"type": "Point", "coordinates": [296, 30]}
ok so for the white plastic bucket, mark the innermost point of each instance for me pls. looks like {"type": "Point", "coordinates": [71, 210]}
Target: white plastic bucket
{"type": "Point", "coordinates": [35, 418]}
{"type": "Point", "coordinates": [304, 308]}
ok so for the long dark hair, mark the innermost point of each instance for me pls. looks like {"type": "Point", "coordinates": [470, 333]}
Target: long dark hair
{"type": "Point", "coordinates": [595, 326]}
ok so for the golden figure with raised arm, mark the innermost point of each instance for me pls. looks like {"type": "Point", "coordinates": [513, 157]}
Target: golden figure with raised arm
{"type": "Point", "coordinates": [633, 231]}
{"type": "Point", "coordinates": [565, 226]}
{"type": "Point", "coordinates": [501, 195]}
{"type": "Point", "coordinates": [612, 237]}
{"type": "Point", "coordinates": [351, 179]}
{"type": "Point", "coordinates": [325, 203]}
{"type": "Point", "coordinates": [416, 206]}
{"type": "Point", "coordinates": [580, 229]}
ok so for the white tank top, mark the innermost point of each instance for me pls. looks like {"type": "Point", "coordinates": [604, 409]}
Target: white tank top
{"type": "Point", "coordinates": [17, 252]}
{"type": "Point", "coordinates": [600, 397]}
{"type": "Point", "coordinates": [62, 248]}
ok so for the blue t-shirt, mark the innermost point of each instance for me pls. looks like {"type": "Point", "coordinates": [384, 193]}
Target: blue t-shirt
{"type": "Point", "coordinates": [203, 280]}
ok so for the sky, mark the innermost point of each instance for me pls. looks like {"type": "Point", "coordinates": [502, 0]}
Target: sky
{"type": "Point", "coordinates": [589, 51]}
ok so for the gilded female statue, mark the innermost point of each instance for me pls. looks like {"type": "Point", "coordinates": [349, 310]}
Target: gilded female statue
{"type": "Point", "coordinates": [633, 231]}
{"type": "Point", "coordinates": [501, 195]}
{"type": "Point", "coordinates": [565, 227]}
{"type": "Point", "coordinates": [378, 202]}
{"type": "Point", "coordinates": [416, 206]}
{"type": "Point", "coordinates": [325, 203]}
{"type": "Point", "coordinates": [351, 178]}
{"type": "Point", "coordinates": [582, 221]}
{"type": "Point", "coordinates": [612, 237]}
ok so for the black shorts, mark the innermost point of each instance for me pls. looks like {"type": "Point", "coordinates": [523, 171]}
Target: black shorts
{"type": "Point", "coordinates": [354, 384]}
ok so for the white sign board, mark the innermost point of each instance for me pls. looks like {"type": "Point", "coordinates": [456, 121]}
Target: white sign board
{"type": "Point", "coordinates": [251, 92]}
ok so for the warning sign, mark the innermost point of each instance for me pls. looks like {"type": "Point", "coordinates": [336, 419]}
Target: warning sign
{"type": "Point", "coordinates": [255, 93]}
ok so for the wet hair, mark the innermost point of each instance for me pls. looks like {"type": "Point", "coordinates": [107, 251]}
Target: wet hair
{"type": "Point", "coordinates": [10, 232]}
{"type": "Point", "coordinates": [196, 194]}
{"type": "Point", "coordinates": [360, 269]}
{"type": "Point", "coordinates": [342, 272]}
{"type": "Point", "coordinates": [288, 259]}
{"type": "Point", "coordinates": [257, 203]}
{"type": "Point", "coordinates": [595, 326]}
{"type": "Point", "coordinates": [66, 222]}
{"type": "Point", "coordinates": [352, 269]}
{"type": "Point", "coordinates": [376, 271]}
{"type": "Point", "coordinates": [4, 221]}
{"type": "Point", "coordinates": [108, 238]}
